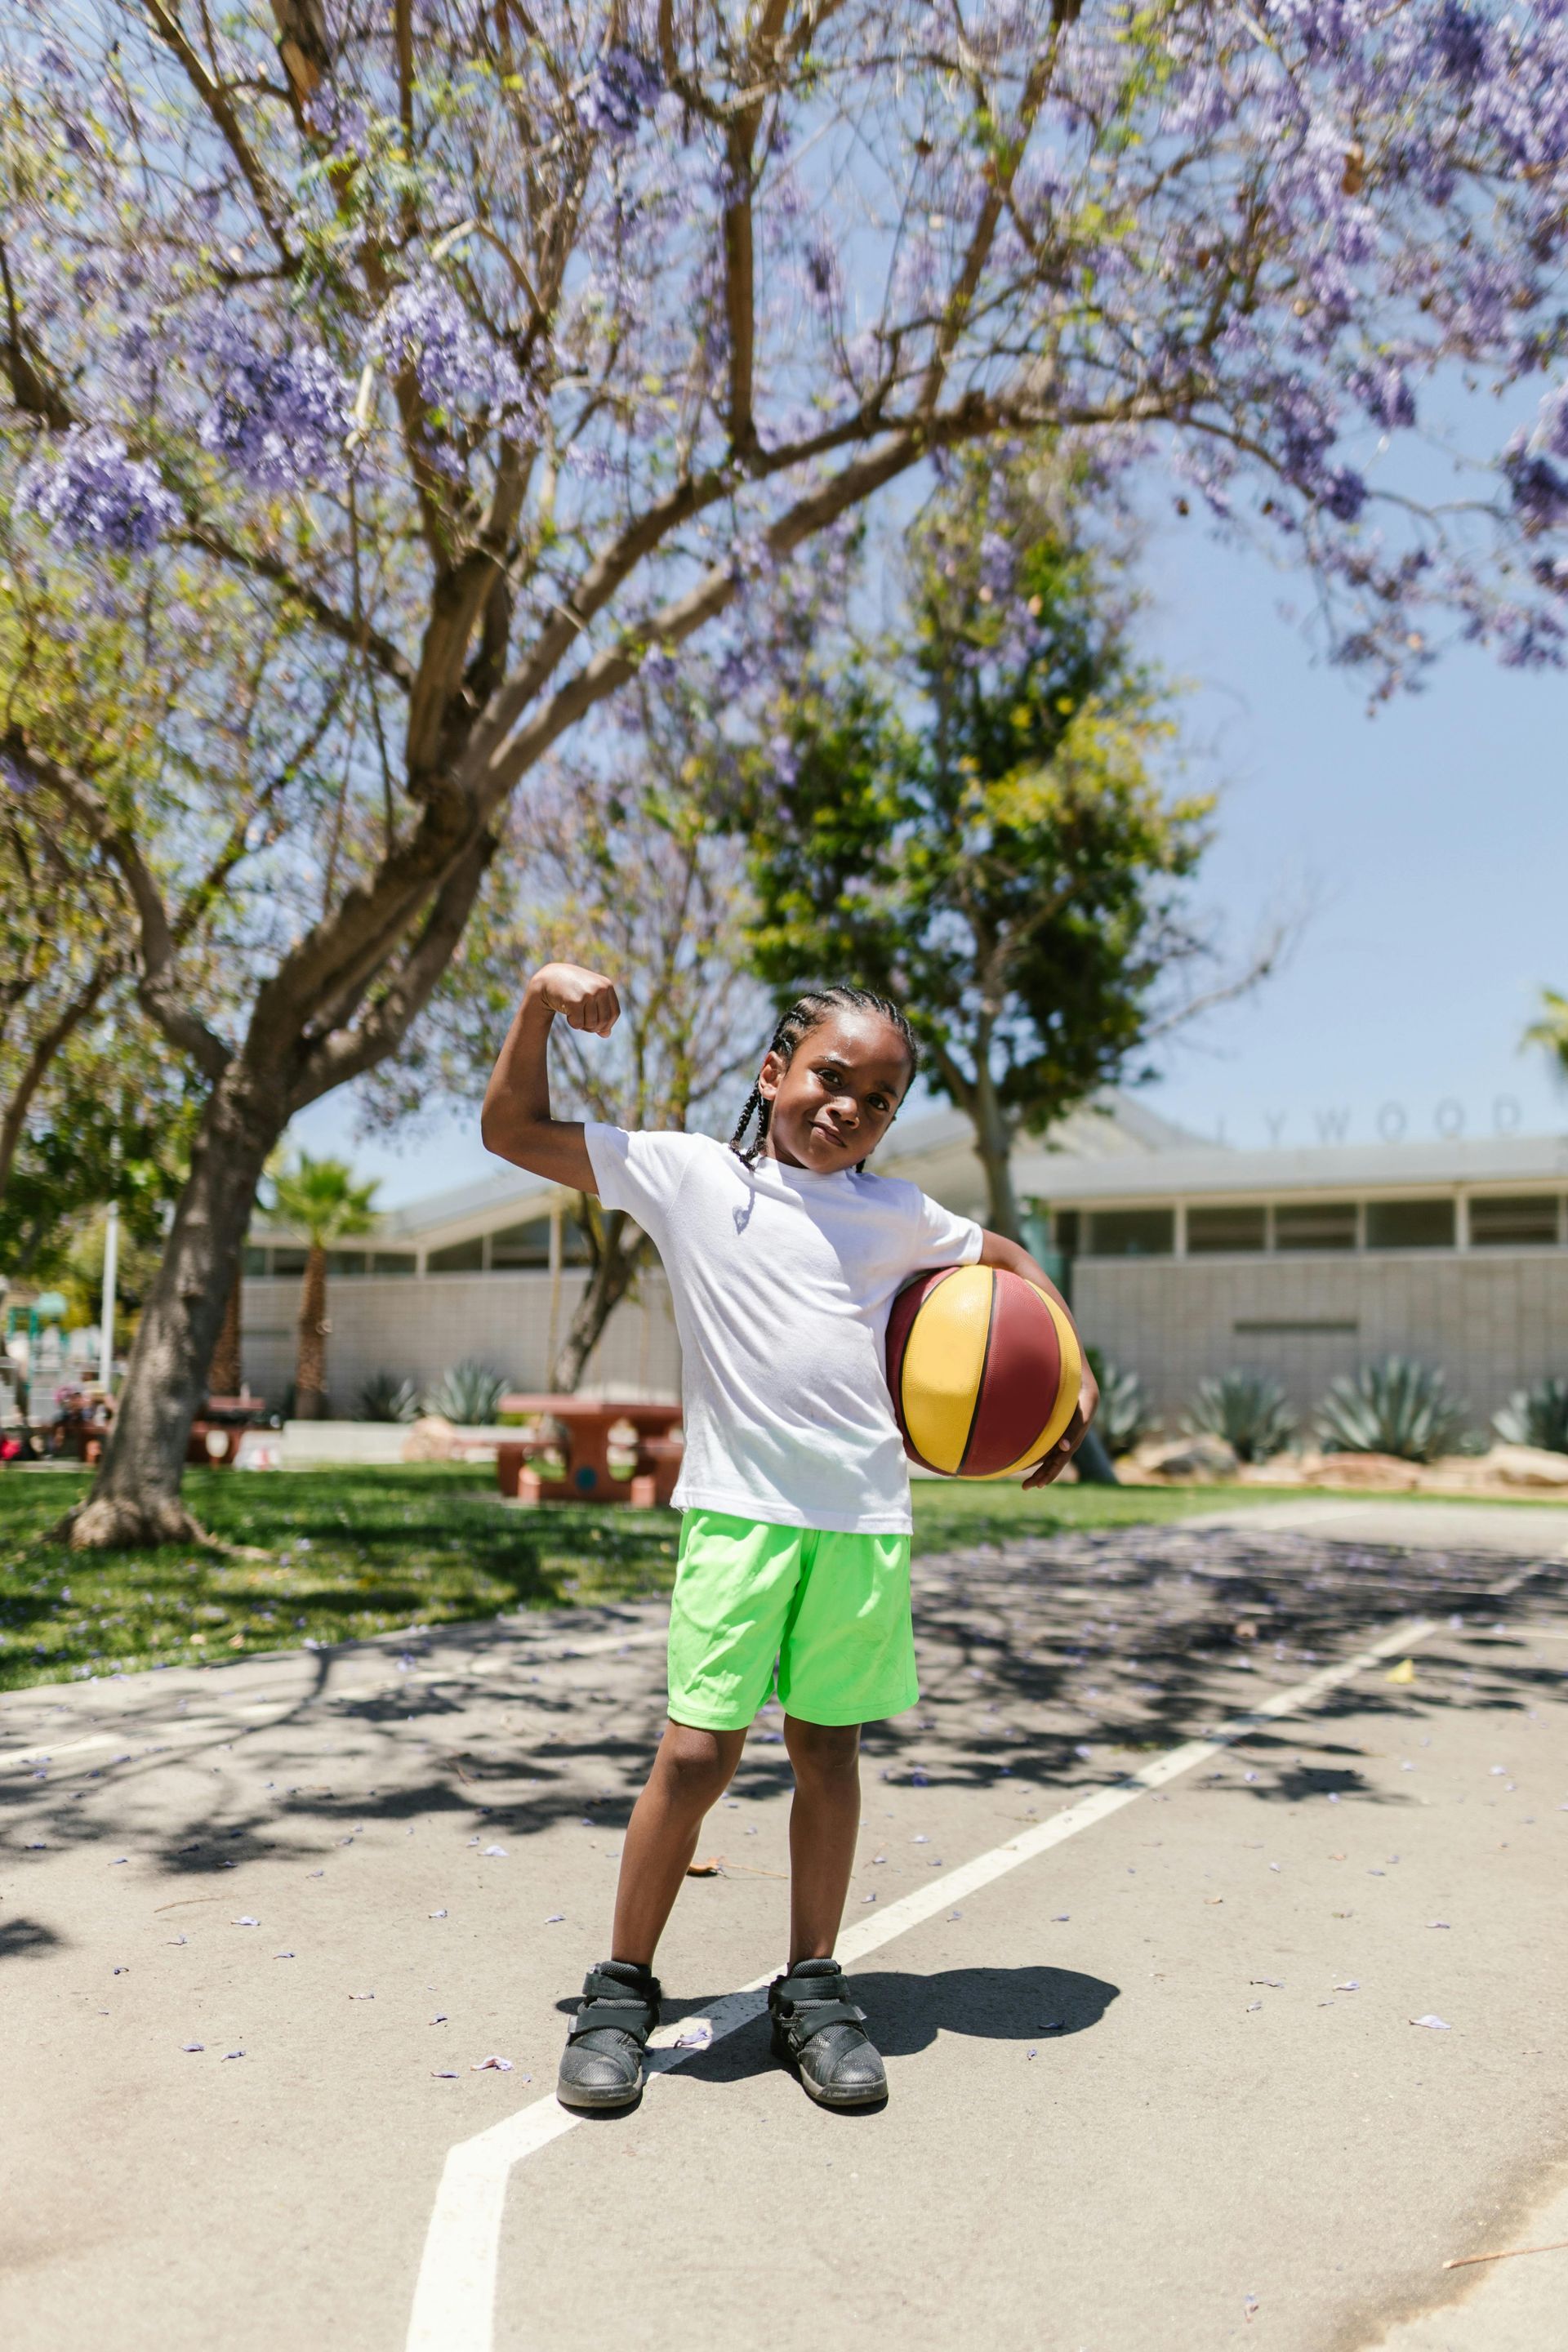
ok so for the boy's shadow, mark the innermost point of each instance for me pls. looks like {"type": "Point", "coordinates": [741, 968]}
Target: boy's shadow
{"type": "Point", "coordinates": [906, 2012]}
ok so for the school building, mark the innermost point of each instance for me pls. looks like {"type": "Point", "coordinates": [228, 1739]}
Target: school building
{"type": "Point", "coordinates": [1182, 1258]}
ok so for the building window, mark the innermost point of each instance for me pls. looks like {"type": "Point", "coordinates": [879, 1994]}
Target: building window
{"type": "Point", "coordinates": [462, 1257]}
{"type": "Point", "coordinates": [255, 1261]}
{"type": "Point", "coordinates": [528, 1246]}
{"type": "Point", "coordinates": [289, 1261]}
{"type": "Point", "coordinates": [522, 1245]}
{"type": "Point", "coordinates": [391, 1262]}
{"type": "Point", "coordinates": [1132, 1233]}
{"type": "Point", "coordinates": [1211, 1230]}
{"type": "Point", "coordinates": [1065, 1230]}
{"type": "Point", "coordinates": [1528, 1219]}
{"type": "Point", "coordinates": [1315, 1225]}
{"type": "Point", "coordinates": [346, 1261]}
{"type": "Point", "coordinates": [1410, 1225]}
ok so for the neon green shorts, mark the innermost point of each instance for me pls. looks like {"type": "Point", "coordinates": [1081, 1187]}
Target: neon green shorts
{"type": "Point", "coordinates": [832, 1611]}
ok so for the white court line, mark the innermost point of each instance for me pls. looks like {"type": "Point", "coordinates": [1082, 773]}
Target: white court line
{"type": "Point", "coordinates": [454, 2297]}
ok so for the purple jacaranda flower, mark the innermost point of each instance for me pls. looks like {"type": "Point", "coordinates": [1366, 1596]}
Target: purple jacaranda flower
{"type": "Point", "coordinates": [1384, 390]}
{"type": "Point", "coordinates": [622, 89]}
{"type": "Point", "coordinates": [1539, 492]}
{"type": "Point", "coordinates": [90, 492]}
{"type": "Point", "coordinates": [280, 419]}
{"type": "Point", "coordinates": [1460, 43]}
{"type": "Point", "coordinates": [458, 365]}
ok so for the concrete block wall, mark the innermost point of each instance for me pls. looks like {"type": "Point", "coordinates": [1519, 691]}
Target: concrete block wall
{"type": "Point", "coordinates": [416, 1326]}
{"type": "Point", "coordinates": [1494, 1320]}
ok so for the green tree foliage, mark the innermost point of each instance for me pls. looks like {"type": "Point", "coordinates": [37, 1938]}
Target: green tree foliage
{"type": "Point", "coordinates": [320, 1200]}
{"type": "Point", "coordinates": [970, 818]}
{"type": "Point", "coordinates": [1550, 1031]}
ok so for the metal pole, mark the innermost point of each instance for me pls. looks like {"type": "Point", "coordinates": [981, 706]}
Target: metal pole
{"type": "Point", "coordinates": [106, 1311]}
{"type": "Point", "coordinates": [555, 1255]}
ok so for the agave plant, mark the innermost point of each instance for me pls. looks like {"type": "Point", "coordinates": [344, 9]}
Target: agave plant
{"type": "Point", "coordinates": [1537, 1416]}
{"type": "Point", "coordinates": [1123, 1414]}
{"type": "Point", "coordinates": [1248, 1410]}
{"type": "Point", "coordinates": [386, 1398]}
{"type": "Point", "coordinates": [468, 1393]}
{"type": "Point", "coordinates": [1395, 1407]}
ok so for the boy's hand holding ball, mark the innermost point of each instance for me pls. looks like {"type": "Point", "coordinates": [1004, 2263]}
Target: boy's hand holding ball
{"type": "Point", "coordinates": [584, 1000]}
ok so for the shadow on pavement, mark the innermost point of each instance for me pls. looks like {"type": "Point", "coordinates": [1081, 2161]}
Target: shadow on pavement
{"type": "Point", "coordinates": [905, 2013]}
{"type": "Point", "coordinates": [1049, 1665]}
{"type": "Point", "coordinates": [25, 1939]}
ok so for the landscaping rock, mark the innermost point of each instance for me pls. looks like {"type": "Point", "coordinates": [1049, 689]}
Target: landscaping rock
{"type": "Point", "coordinates": [1525, 1465]}
{"type": "Point", "coordinates": [1201, 1456]}
{"type": "Point", "coordinates": [1379, 1473]}
{"type": "Point", "coordinates": [431, 1439]}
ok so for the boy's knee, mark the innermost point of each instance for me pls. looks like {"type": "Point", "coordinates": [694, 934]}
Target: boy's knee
{"type": "Point", "coordinates": [699, 1763]}
{"type": "Point", "coordinates": [823, 1751]}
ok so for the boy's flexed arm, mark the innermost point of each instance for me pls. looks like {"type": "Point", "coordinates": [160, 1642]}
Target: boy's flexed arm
{"type": "Point", "coordinates": [515, 1123]}
{"type": "Point", "coordinates": [997, 1250]}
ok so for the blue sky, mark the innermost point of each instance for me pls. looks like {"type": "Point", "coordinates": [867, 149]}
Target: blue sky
{"type": "Point", "coordinates": [1430, 839]}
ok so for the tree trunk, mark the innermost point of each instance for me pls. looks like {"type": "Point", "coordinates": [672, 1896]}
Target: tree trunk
{"type": "Point", "coordinates": [135, 1498]}
{"type": "Point", "coordinates": [225, 1373]}
{"type": "Point", "coordinates": [993, 1143]}
{"type": "Point", "coordinates": [622, 1251]}
{"type": "Point", "coordinates": [310, 1362]}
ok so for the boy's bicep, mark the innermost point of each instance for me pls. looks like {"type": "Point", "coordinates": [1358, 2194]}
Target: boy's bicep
{"type": "Point", "coordinates": [557, 1151]}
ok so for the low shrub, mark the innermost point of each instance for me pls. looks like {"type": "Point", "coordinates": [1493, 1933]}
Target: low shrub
{"type": "Point", "coordinates": [468, 1393]}
{"type": "Point", "coordinates": [1123, 1414]}
{"type": "Point", "coordinates": [1248, 1409]}
{"type": "Point", "coordinates": [384, 1397]}
{"type": "Point", "coordinates": [1398, 1407]}
{"type": "Point", "coordinates": [1536, 1416]}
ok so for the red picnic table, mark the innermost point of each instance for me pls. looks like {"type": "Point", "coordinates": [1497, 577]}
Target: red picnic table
{"type": "Point", "coordinates": [587, 1423]}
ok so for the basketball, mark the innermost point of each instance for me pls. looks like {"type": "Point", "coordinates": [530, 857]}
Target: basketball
{"type": "Point", "coordinates": [983, 1368]}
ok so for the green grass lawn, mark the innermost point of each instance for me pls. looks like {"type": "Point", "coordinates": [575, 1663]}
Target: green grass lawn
{"type": "Point", "coordinates": [357, 1552]}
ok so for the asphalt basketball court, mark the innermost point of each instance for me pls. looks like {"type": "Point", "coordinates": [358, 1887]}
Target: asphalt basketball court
{"type": "Point", "coordinates": [1210, 1912]}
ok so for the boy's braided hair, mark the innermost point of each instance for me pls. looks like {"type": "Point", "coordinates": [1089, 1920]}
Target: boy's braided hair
{"type": "Point", "coordinates": [807, 1014]}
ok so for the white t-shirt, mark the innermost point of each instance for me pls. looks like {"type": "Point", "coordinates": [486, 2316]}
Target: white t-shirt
{"type": "Point", "coordinates": [782, 1280]}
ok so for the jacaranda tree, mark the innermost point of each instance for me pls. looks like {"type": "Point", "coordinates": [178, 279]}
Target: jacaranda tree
{"type": "Point", "coordinates": [504, 347]}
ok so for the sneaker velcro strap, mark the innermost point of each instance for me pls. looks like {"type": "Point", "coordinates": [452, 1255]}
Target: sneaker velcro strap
{"type": "Point", "coordinates": [635, 2017]}
{"type": "Point", "coordinates": [788, 1991]}
{"type": "Point", "coordinates": [598, 1985]}
{"type": "Point", "coordinates": [804, 2018]}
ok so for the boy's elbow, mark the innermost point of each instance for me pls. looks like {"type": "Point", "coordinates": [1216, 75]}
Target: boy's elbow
{"type": "Point", "coordinates": [492, 1130]}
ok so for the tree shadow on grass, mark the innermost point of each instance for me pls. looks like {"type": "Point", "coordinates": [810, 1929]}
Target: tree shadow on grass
{"type": "Point", "coordinates": [324, 1555]}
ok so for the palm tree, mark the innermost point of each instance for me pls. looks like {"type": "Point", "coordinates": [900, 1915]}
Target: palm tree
{"type": "Point", "coordinates": [1552, 1029]}
{"type": "Point", "coordinates": [319, 1199]}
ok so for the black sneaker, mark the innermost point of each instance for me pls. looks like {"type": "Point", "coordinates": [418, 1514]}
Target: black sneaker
{"type": "Point", "coordinates": [601, 2064]}
{"type": "Point", "coordinates": [819, 2030]}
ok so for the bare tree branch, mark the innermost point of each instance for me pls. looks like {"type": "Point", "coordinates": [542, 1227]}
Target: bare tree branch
{"type": "Point", "coordinates": [157, 967]}
{"type": "Point", "coordinates": [47, 1045]}
{"type": "Point", "coordinates": [389, 659]}
{"type": "Point", "coordinates": [347, 1052]}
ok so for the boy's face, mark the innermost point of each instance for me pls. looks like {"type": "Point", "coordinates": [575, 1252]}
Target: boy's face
{"type": "Point", "coordinates": [834, 1101]}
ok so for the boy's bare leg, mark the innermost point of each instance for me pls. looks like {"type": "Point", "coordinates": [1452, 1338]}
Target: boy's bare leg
{"type": "Point", "coordinates": [690, 1773]}
{"type": "Point", "coordinates": [822, 1824]}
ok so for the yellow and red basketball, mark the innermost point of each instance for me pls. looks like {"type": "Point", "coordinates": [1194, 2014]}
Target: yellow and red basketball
{"type": "Point", "coordinates": [984, 1371]}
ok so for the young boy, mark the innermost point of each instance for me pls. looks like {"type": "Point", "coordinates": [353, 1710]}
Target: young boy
{"type": "Point", "coordinates": [783, 1256]}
